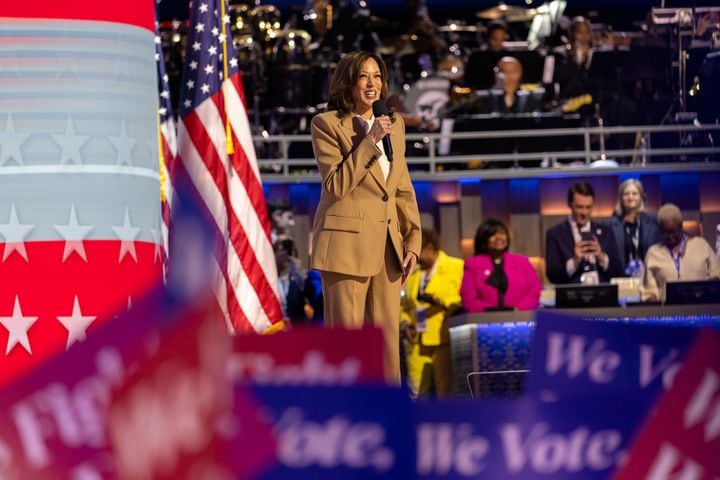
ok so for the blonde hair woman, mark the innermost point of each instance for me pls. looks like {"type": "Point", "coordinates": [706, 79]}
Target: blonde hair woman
{"type": "Point", "coordinates": [635, 230]}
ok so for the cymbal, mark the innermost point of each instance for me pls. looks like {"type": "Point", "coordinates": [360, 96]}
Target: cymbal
{"type": "Point", "coordinates": [508, 13]}
{"type": "Point", "coordinates": [453, 27]}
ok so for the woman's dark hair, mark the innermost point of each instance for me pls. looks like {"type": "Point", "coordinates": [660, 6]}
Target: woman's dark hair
{"type": "Point", "coordinates": [487, 229]}
{"type": "Point", "coordinates": [429, 237]}
{"type": "Point", "coordinates": [345, 77]}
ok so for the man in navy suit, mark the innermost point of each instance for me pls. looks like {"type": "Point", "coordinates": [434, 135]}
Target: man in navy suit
{"type": "Point", "coordinates": [580, 250]}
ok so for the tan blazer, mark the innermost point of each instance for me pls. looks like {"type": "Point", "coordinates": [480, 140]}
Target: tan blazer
{"type": "Point", "coordinates": [358, 208]}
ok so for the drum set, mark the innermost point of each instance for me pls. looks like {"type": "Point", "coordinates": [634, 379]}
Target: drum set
{"type": "Point", "coordinates": [287, 65]}
{"type": "Point", "coordinates": [283, 73]}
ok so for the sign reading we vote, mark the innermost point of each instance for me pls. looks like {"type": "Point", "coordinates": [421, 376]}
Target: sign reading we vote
{"type": "Point", "coordinates": [331, 432]}
{"type": "Point", "coordinates": [524, 438]}
{"type": "Point", "coordinates": [573, 356]}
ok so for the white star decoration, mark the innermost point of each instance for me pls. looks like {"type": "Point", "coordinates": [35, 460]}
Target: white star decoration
{"type": "Point", "coordinates": [74, 234]}
{"type": "Point", "coordinates": [17, 327]}
{"type": "Point", "coordinates": [76, 324]}
{"type": "Point", "coordinates": [124, 145]}
{"type": "Point", "coordinates": [10, 143]}
{"type": "Point", "coordinates": [70, 144]}
{"type": "Point", "coordinates": [156, 235]}
{"type": "Point", "coordinates": [127, 235]}
{"type": "Point", "coordinates": [14, 233]}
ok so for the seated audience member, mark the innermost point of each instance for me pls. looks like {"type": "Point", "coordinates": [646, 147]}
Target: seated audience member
{"type": "Point", "coordinates": [580, 250]}
{"type": "Point", "coordinates": [290, 281]}
{"type": "Point", "coordinates": [676, 257]}
{"type": "Point", "coordinates": [432, 294]}
{"type": "Point", "coordinates": [634, 229]}
{"type": "Point", "coordinates": [507, 97]}
{"type": "Point", "coordinates": [497, 35]}
{"type": "Point", "coordinates": [314, 297]}
{"type": "Point", "coordinates": [495, 278]}
{"type": "Point", "coordinates": [282, 219]}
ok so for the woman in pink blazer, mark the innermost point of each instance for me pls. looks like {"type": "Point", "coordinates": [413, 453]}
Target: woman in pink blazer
{"type": "Point", "coordinates": [496, 279]}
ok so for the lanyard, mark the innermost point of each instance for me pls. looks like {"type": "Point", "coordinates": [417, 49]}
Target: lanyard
{"type": "Point", "coordinates": [636, 241]}
{"type": "Point", "coordinates": [676, 256]}
{"type": "Point", "coordinates": [634, 236]}
{"type": "Point", "coordinates": [427, 276]}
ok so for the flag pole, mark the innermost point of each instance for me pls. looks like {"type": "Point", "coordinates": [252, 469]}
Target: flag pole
{"type": "Point", "coordinates": [163, 165]}
{"type": "Point", "coordinates": [229, 148]}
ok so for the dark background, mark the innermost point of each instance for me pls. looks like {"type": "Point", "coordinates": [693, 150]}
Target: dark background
{"type": "Point", "coordinates": [622, 14]}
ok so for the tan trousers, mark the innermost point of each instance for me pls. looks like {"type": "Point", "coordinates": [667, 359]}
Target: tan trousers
{"type": "Point", "coordinates": [353, 302]}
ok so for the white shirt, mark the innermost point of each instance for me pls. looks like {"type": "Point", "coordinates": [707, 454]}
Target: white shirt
{"type": "Point", "coordinates": [383, 160]}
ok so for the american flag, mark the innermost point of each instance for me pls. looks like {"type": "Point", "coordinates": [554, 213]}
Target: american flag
{"type": "Point", "coordinates": [216, 159]}
{"type": "Point", "coordinates": [167, 139]}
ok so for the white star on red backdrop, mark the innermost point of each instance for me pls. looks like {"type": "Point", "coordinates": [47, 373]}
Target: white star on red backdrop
{"type": "Point", "coordinates": [17, 327]}
{"type": "Point", "coordinates": [76, 324]}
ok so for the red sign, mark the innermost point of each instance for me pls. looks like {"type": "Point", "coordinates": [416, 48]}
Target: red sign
{"type": "Point", "coordinates": [310, 356]}
{"type": "Point", "coordinates": [166, 422]}
{"type": "Point", "coordinates": [681, 439]}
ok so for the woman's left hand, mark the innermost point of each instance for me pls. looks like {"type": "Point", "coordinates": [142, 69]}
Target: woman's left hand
{"type": "Point", "coordinates": [408, 266]}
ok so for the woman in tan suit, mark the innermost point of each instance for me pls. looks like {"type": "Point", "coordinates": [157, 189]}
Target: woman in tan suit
{"type": "Point", "coordinates": [366, 232]}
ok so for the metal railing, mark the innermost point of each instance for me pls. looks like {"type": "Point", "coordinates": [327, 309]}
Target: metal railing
{"type": "Point", "coordinates": [690, 144]}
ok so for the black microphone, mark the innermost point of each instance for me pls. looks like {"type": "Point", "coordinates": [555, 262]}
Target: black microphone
{"type": "Point", "coordinates": [379, 109]}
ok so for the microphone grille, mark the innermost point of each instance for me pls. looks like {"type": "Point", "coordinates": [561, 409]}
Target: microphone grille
{"type": "Point", "coordinates": [379, 108]}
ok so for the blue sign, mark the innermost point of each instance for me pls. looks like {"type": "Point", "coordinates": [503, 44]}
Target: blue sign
{"type": "Point", "coordinates": [573, 356]}
{"type": "Point", "coordinates": [525, 438]}
{"type": "Point", "coordinates": [339, 433]}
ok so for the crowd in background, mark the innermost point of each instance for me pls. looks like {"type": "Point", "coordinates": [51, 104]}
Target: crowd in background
{"type": "Point", "coordinates": [649, 246]}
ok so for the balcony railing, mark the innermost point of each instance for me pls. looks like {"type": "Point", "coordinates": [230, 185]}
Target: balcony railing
{"type": "Point", "coordinates": [683, 147]}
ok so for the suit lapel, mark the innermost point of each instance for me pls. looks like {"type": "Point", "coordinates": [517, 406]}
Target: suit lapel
{"type": "Point", "coordinates": [351, 136]}
{"type": "Point", "coordinates": [569, 235]}
{"type": "Point", "coordinates": [354, 138]}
